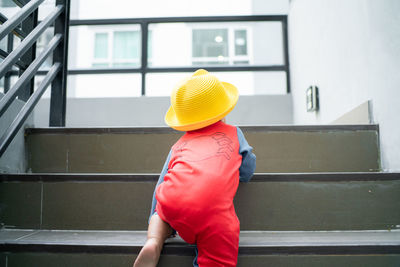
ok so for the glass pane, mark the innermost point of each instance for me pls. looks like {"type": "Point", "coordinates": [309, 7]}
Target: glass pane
{"type": "Point", "coordinates": [161, 84]}
{"type": "Point", "coordinates": [104, 85]}
{"type": "Point", "coordinates": [256, 82]}
{"type": "Point", "coordinates": [101, 45]}
{"type": "Point", "coordinates": [84, 9]}
{"type": "Point", "coordinates": [240, 43]}
{"type": "Point", "coordinates": [104, 46]}
{"type": "Point", "coordinates": [227, 43]}
{"type": "Point", "coordinates": [248, 83]}
{"type": "Point", "coordinates": [210, 43]}
{"type": "Point", "coordinates": [210, 46]}
{"type": "Point", "coordinates": [150, 46]}
{"type": "Point", "coordinates": [126, 45]}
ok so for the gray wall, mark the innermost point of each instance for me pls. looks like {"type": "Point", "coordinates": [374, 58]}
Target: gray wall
{"type": "Point", "coordinates": [351, 51]}
{"type": "Point", "coordinates": [13, 160]}
{"type": "Point", "coordinates": [150, 111]}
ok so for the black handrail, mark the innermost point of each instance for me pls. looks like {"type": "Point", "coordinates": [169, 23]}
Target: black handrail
{"type": "Point", "coordinates": [29, 65]}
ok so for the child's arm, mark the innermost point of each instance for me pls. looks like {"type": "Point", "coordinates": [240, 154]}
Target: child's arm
{"type": "Point", "coordinates": [248, 166]}
{"type": "Point", "coordinates": [160, 180]}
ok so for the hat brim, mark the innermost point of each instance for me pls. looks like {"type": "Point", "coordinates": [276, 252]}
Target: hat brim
{"type": "Point", "coordinates": [173, 122]}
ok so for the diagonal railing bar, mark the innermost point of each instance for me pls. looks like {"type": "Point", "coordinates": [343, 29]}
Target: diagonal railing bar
{"type": "Point", "coordinates": [29, 40]}
{"type": "Point", "coordinates": [8, 98]}
{"type": "Point", "coordinates": [17, 31]}
{"type": "Point", "coordinates": [14, 21]}
{"type": "Point", "coordinates": [19, 63]}
{"type": "Point", "coordinates": [8, 136]}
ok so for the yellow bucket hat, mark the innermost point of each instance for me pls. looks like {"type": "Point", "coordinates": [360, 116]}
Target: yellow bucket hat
{"type": "Point", "coordinates": [199, 101]}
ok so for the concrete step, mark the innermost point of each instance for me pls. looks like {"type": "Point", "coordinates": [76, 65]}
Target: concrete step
{"type": "Point", "coordinates": [256, 248]}
{"type": "Point", "coordinates": [326, 148]}
{"type": "Point", "coordinates": [284, 202]}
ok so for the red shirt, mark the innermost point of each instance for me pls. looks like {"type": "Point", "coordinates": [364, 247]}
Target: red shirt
{"type": "Point", "coordinates": [203, 174]}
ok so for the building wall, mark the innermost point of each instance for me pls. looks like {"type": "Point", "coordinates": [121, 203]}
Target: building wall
{"type": "Point", "coordinates": [351, 51]}
{"type": "Point", "coordinates": [150, 111]}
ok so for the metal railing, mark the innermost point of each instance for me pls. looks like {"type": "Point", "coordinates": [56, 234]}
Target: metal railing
{"type": "Point", "coordinates": [24, 25]}
{"type": "Point", "coordinates": [144, 25]}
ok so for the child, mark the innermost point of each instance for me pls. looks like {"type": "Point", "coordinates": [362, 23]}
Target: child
{"type": "Point", "coordinates": [195, 191]}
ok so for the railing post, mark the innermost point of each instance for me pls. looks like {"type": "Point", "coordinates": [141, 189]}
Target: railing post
{"type": "Point", "coordinates": [27, 26]}
{"type": "Point", "coordinates": [7, 76]}
{"type": "Point", "coordinates": [144, 44]}
{"type": "Point", "coordinates": [286, 52]}
{"type": "Point", "coordinates": [58, 87]}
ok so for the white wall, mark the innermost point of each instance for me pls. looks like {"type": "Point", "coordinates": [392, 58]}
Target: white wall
{"type": "Point", "coordinates": [150, 111]}
{"type": "Point", "coordinates": [158, 8]}
{"type": "Point", "coordinates": [171, 8]}
{"type": "Point", "coordinates": [351, 51]}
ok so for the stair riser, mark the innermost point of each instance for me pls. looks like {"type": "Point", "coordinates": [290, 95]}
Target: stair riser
{"type": "Point", "coordinates": [356, 205]}
{"type": "Point", "coordinates": [115, 260]}
{"type": "Point", "coordinates": [277, 151]}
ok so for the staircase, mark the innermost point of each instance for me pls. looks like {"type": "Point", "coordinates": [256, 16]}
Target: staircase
{"type": "Point", "coordinates": [318, 199]}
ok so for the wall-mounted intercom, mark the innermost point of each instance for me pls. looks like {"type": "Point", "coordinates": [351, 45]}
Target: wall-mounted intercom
{"type": "Point", "coordinates": [312, 98]}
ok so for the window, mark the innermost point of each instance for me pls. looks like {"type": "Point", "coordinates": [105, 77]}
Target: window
{"type": "Point", "coordinates": [101, 48]}
{"type": "Point", "coordinates": [250, 53]}
{"type": "Point", "coordinates": [240, 43]}
{"type": "Point", "coordinates": [116, 49]}
{"type": "Point", "coordinates": [210, 46]}
{"type": "Point", "coordinates": [219, 46]}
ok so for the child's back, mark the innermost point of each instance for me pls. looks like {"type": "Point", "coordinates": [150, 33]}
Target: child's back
{"type": "Point", "coordinates": [202, 179]}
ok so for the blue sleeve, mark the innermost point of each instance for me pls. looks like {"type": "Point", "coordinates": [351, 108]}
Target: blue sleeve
{"type": "Point", "coordinates": [160, 180]}
{"type": "Point", "coordinates": [248, 165]}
